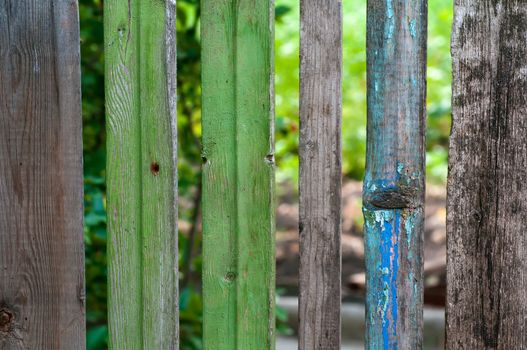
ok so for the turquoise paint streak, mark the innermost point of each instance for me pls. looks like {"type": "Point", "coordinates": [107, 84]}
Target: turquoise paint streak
{"type": "Point", "coordinates": [382, 237]}
{"type": "Point", "coordinates": [386, 233]}
{"type": "Point", "coordinates": [412, 27]}
{"type": "Point", "coordinates": [390, 20]}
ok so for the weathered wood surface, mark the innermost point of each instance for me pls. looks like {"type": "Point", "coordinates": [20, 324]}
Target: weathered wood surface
{"type": "Point", "coordinates": [394, 182]}
{"type": "Point", "coordinates": [320, 173]}
{"type": "Point", "coordinates": [238, 174]}
{"type": "Point", "coordinates": [42, 300]}
{"type": "Point", "coordinates": [487, 244]}
{"type": "Point", "coordinates": [141, 173]}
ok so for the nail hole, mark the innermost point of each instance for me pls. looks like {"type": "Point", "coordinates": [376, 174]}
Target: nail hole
{"type": "Point", "coordinates": [154, 168]}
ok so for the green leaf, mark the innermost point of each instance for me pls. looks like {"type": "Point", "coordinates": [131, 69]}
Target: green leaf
{"type": "Point", "coordinates": [97, 338]}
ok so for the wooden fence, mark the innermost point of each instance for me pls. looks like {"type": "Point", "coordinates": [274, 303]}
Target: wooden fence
{"type": "Point", "coordinates": [42, 301]}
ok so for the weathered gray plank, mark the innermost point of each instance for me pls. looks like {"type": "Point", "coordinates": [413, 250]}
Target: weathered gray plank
{"type": "Point", "coordinates": [487, 195]}
{"type": "Point", "coordinates": [41, 236]}
{"type": "Point", "coordinates": [320, 173]}
{"type": "Point", "coordinates": [394, 185]}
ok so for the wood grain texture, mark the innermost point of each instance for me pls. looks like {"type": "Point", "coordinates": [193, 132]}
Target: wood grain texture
{"type": "Point", "coordinates": [141, 173]}
{"type": "Point", "coordinates": [42, 300]}
{"type": "Point", "coordinates": [238, 174]}
{"type": "Point", "coordinates": [320, 173]}
{"type": "Point", "coordinates": [395, 164]}
{"type": "Point", "coordinates": [486, 240]}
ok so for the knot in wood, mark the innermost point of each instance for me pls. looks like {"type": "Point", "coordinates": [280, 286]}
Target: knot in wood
{"type": "Point", "coordinates": [395, 198]}
{"type": "Point", "coordinates": [6, 318]}
{"type": "Point", "coordinates": [230, 277]}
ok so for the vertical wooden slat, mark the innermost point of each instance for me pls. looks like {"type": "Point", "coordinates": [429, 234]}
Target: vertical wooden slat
{"type": "Point", "coordinates": [42, 300]}
{"type": "Point", "coordinates": [487, 212]}
{"type": "Point", "coordinates": [238, 175]}
{"type": "Point", "coordinates": [320, 173]}
{"type": "Point", "coordinates": [394, 183]}
{"type": "Point", "coordinates": [141, 171]}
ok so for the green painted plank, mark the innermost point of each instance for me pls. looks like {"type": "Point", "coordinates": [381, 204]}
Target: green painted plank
{"type": "Point", "coordinates": [141, 171]}
{"type": "Point", "coordinates": [238, 174]}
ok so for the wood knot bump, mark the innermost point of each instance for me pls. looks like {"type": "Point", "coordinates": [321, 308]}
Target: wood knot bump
{"type": "Point", "coordinates": [230, 276]}
{"type": "Point", "coordinates": [269, 159]}
{"type": "Point", "coordinates": [6, 318]}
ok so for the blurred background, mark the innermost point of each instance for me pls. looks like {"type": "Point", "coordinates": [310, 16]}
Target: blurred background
{"type": "Point", "coordinates": [287, 86]}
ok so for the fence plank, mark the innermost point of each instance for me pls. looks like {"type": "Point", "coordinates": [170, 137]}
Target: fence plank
{"type": "Point", "coordinates": [42, 300]}
{"type": "Point", "coordinates": [487, 245]}
{"type": "Point", "coordinates": [320, 173]}
{"type": "Point", "coordinates": [141, 170]}
{"type": "Point", "coordinates": [238, 175]}
{"type": "Point", "coordinates": [394, 182]}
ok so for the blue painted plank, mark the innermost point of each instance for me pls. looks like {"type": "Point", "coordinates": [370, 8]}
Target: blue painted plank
{"type": "Point", "coordinates": [394, 183]}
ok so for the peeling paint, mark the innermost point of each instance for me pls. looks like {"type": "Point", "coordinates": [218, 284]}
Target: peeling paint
{"type": "Point", "coordinates": [412, 26]}
{"type": "Point", "coordinates": [390, 22]}
{"type": "Point", "coordinates": [409, 225]}
{"type": "Point", "coordinates": [400, 168]}
{"type": "Point", "coordinates": [382, 236]}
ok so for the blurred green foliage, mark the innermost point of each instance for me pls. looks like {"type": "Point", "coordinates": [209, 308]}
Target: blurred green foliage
{"type": "Point", "coordinates": [92, 63]}
{"type": "Point", "coordinates": [354, 89]}
{"type": "Point", "coordinates": [189, 129]}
